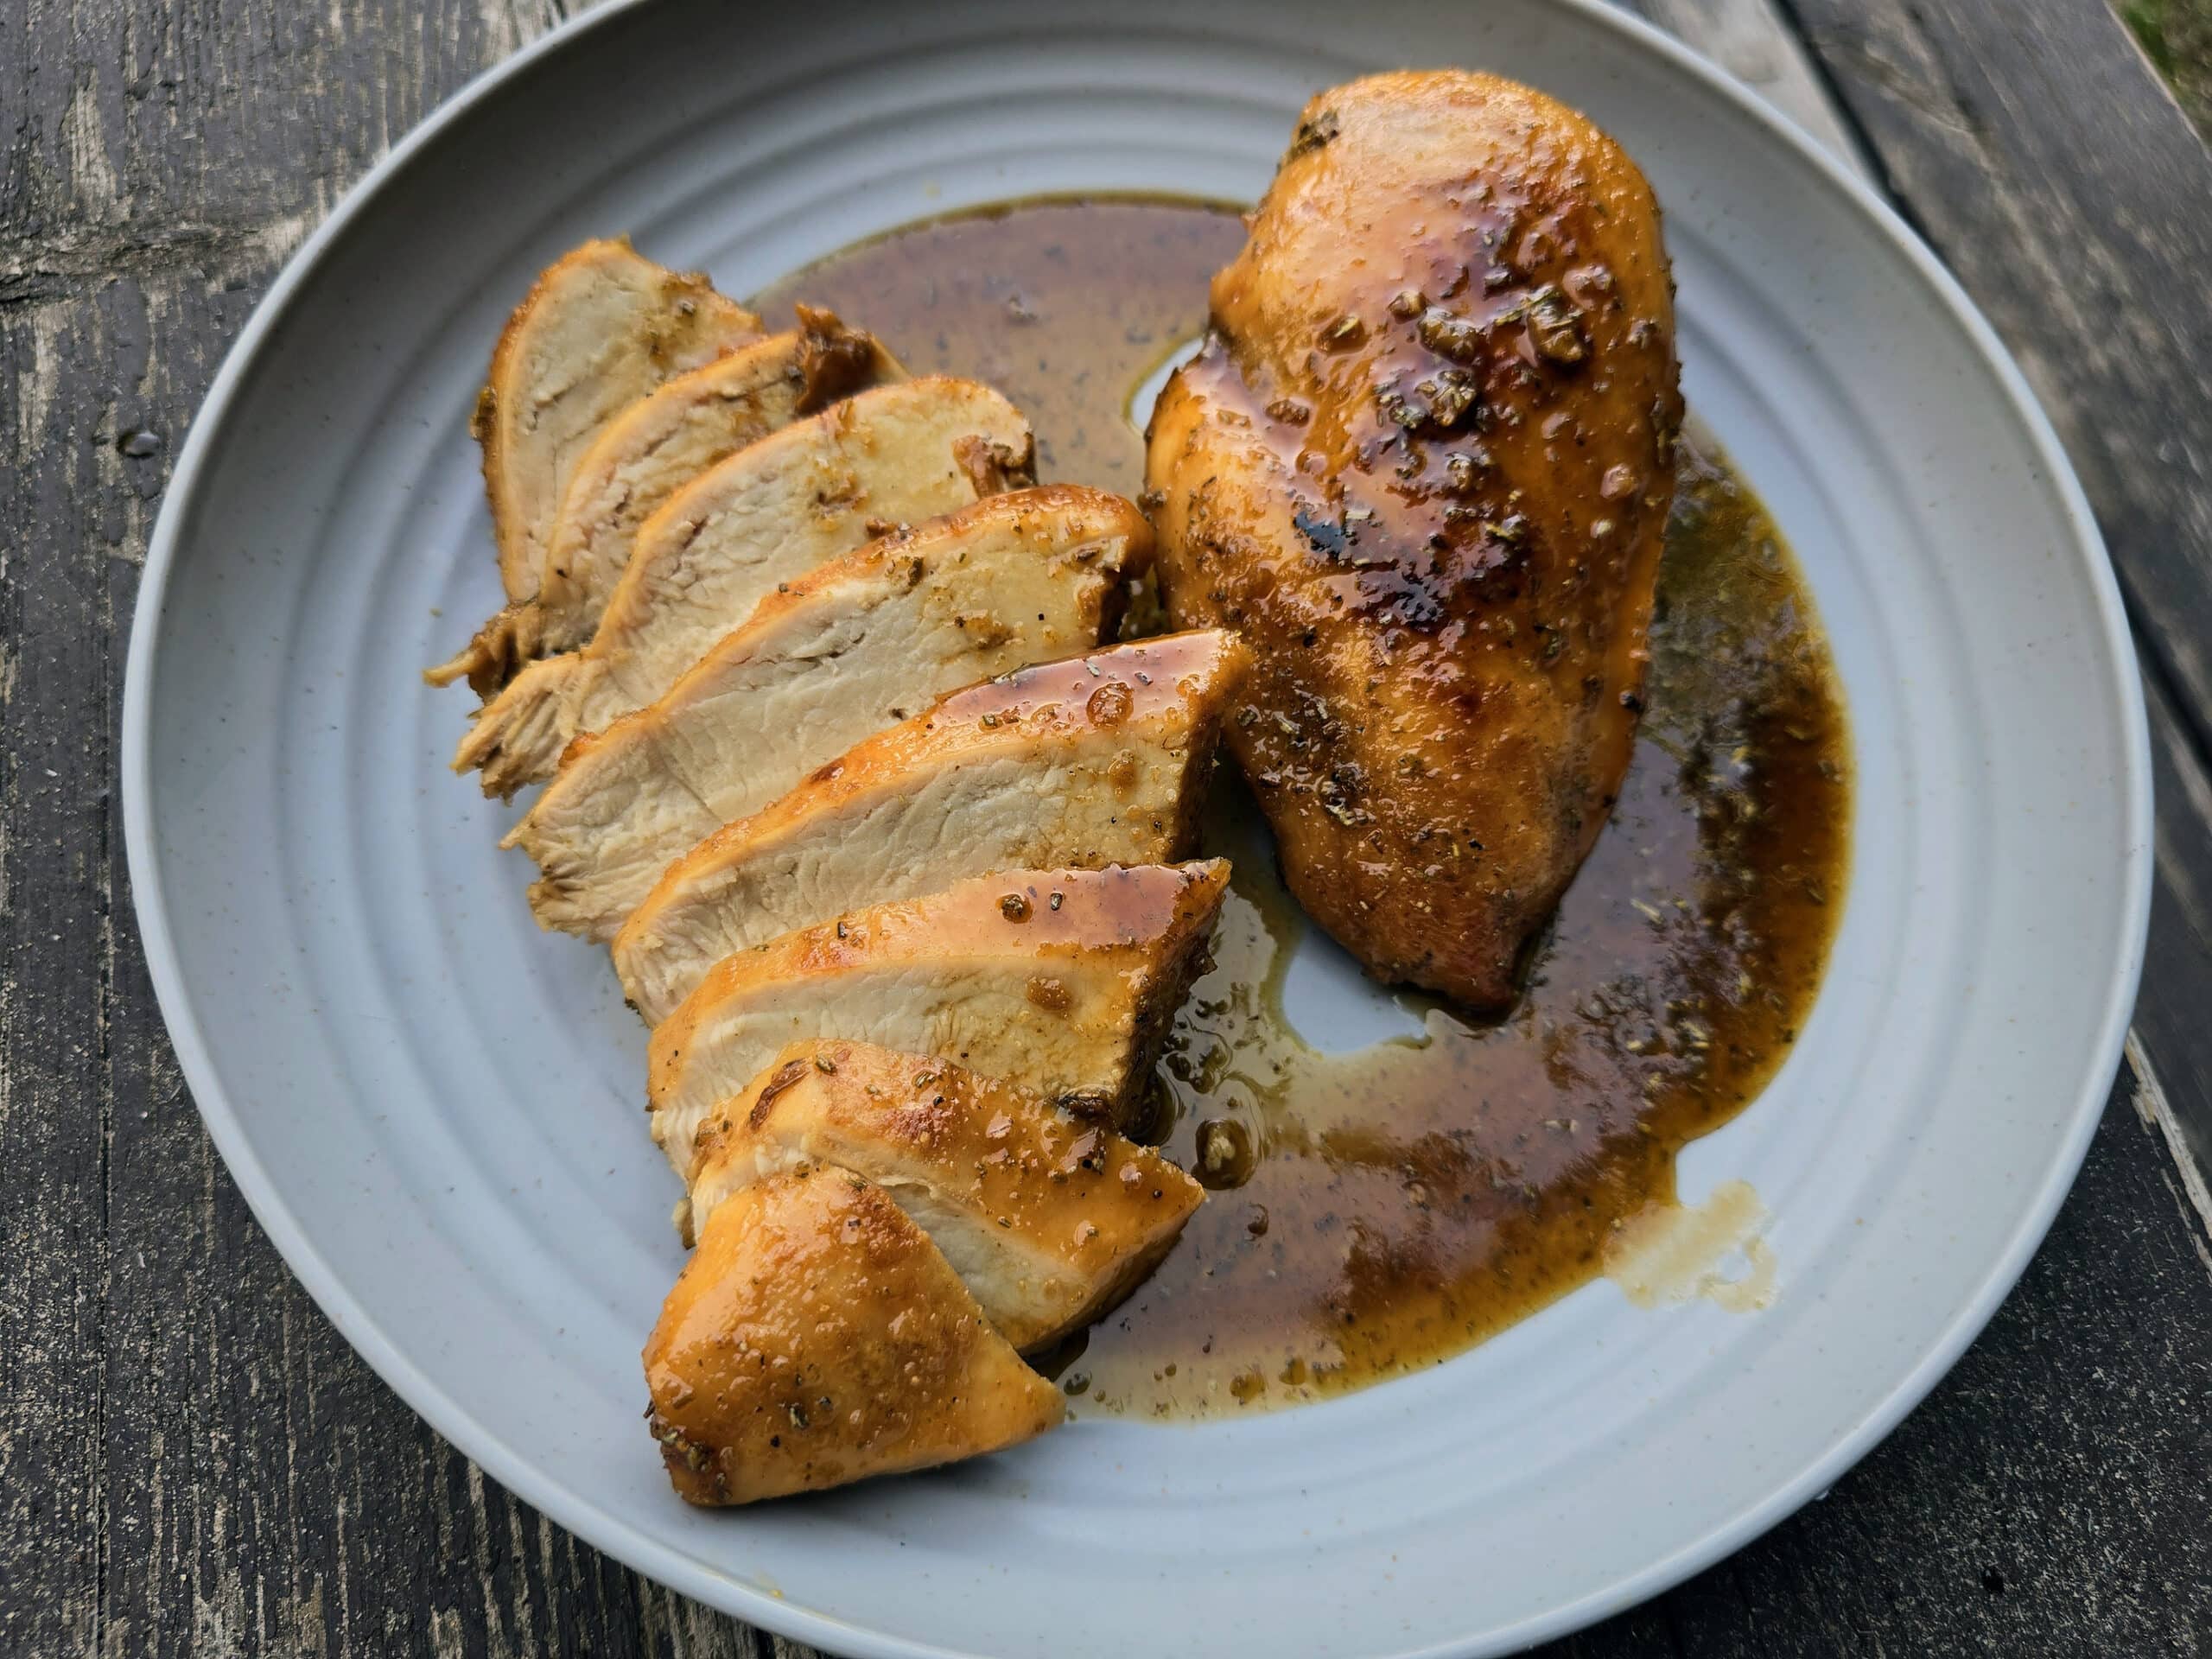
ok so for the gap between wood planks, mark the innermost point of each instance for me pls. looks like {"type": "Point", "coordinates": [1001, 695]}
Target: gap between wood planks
{"type": "Point", "coordinates": [39, 269]}
{"type": "Point", "coordinates": [2048, 164]}
{"type": "Point", "coordinates": [241, 1561]}
{"type": "Point", "coordinates": [1752, 42]}
{"type": "Point", "coordinates": [2158, 1113]}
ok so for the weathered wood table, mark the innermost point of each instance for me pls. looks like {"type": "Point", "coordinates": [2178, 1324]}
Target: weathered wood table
{"type": "Point", "coordinates": [191, 1460]}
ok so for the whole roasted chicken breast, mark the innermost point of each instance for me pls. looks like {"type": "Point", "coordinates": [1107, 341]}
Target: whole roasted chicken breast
{"type": "Point", "coordinates": [1423, 465]}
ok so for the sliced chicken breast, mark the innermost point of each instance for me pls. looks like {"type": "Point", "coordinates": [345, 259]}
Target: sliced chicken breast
{"type": "Point", "coordinates": [1048, 1221]}
{"type": "Point", "coordinates": [1101, 759]}
{"type": "Point", "coordinates": [603, 327]}
{"type": "Point", "coordinates": [817, 1336]}
{"type": "Point", "coordinates": [643, 456]}
{"type": "Point", "coordinates": [861, 642]}
{"type": "Point", "coordinates": [1060, 982]}
{"type": "Point", "coordinates": [769, 514]}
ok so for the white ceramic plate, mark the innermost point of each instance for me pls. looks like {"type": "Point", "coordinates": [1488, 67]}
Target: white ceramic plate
{"type": "Point", "coordinates": [433, 1108]}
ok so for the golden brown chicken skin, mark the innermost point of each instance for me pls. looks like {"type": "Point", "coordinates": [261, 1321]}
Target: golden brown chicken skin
{"type": "Point", "coordinates": [817, 1336]}
{"type": "Point", "coordinates": [1048, 1220]}
{"type": "Point", "coordinates": [1423, 465]}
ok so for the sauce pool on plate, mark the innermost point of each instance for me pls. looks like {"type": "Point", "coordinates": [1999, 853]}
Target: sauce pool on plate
{"type": "Point", "coordinates": [1381, 1210]}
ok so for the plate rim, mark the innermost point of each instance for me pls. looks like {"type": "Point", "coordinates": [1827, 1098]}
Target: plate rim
{"type": "Point", "coordinates": [536, 1485]}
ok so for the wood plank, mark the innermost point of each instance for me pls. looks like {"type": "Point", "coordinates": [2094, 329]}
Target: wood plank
{"type": "Point", "coordinates": [55, 909]}
{"type": "Point", "coordinates": [151, 135]}
{"type": "Point", "coordinates": [191, 1458]}
{"type": "Point", "coordinates": [1924, 1547]}
{"type": "Point", "coordinates": [2046, 163]}
{"type": "Point", "coordinates": [1741, 35]}
{"type": "Point", "coordinates": [2044, 160]}
{"type": "Point", "coordinates": [1751, 40]}
{"type": "Point", "coordinates": [2173, 1014]}
{"type": "Point", "coordinates": [256, 1488]}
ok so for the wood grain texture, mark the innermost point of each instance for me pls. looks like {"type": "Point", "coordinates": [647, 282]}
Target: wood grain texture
{"type": "Point", "coordinates": [192, 1460]}
{"type": "Point", "coordinates": [2173, 1012]}
{"type": "Point", "coordinates": [2042, 157]}
{"type": "Point", "coordinates": [1749, 39]}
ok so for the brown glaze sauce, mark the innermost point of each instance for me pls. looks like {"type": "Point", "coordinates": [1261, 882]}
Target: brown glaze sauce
{"type": "Point", "coordinates": [1382, 1210]}
{"type": "Point", "coordinates": [1063, 305]}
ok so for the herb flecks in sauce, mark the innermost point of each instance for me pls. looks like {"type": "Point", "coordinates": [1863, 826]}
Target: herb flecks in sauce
{"type": "Point", "coordinates": [1376, 1211]}
{"type": "Point", "coordinates": [1063, 305]}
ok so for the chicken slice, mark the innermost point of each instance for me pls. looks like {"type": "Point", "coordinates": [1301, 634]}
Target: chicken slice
{"type": "Point", "coordinates": [769, 514]}
{"type": "Point", "coordinates": [860, 642]}
{"type": "Point", "coordinates": [817, 1336]}
{"type": "Point", "coordinates": [643, 456]}
{"type": "Point", "coordinates": [603, 327]}
{"type": "Point", "coordinates": [1101, 759]}
{"type": "Point", "coordinates": [1423, 465]}
{"type": "Point", "coordinates": [1061, 982]}
{"type": "Point", "coordinates": [1048, 1221]}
